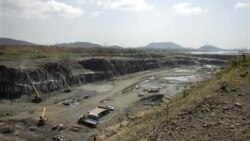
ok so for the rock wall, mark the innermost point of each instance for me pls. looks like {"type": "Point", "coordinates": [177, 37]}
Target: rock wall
{"type": "Point", "coordinates": [53, 76]}
{"type": "Point", "coordinates": [113, 67]}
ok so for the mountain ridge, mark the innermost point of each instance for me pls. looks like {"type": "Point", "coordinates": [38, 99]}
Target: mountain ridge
{"type": "Point", "coordinates": [164, 45]}
{"type": "Point", "coordinates": [209, 48]}
{"type": "Point", "coordinates": [78, 44]}
{"type": "Point", "coordinates": [10, 41]}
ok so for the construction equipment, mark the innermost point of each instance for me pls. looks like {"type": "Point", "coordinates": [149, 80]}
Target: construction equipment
{"type": "Point", "coordinates": [75, 128]}
{"type": "Point", "coordinates": [154, 90]}
{"type": "Point", "coordinates": [37, 98]}
{"type": "Point", "coordinates": [43, 117]}
{"type": "Point", "coordinates": [93, 116]}
{"type": "Point", "coordinates": [67, 90]}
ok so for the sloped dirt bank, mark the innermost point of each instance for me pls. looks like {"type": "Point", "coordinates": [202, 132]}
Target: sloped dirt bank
{"type": "Point", "coordinates": [225, 117]}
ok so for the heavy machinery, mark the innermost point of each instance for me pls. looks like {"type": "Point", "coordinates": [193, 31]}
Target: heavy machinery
{"type": "Point", "coordinates": [93, 116]}
{"type": "Point", "coordinates": [67, 90]}
{"type": "Point", "coordinates": [37, 98]}
{"type": "Point", "coordinates": [75, 128]}
{"type": "Point", "coordinates": [43, 118]}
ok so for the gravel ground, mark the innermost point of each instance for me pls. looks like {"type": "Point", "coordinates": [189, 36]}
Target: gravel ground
{"type": "Point", "coordinates": [225, 116]}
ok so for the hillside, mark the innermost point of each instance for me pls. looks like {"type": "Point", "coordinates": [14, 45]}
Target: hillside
{"type": "Point", "coordinates": [164, 45]}
{"type": "Point", "coordinates": [209, 48]}
{"type": "Point", "coordinates": [78, 44]}
{"type": "Point", "coordinates": [9, 41]}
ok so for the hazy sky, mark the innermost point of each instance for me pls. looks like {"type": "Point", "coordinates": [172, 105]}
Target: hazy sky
{"type": "Point", "coordinates": [129, 23]}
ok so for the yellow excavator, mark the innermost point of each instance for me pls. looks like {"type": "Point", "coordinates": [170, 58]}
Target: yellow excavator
{"type": "Point", "coordinates": [37, 98]}
{"type": "Point", "coordinates": [43, 118]}
{"type": "Point", "coordinates": [67, 90]}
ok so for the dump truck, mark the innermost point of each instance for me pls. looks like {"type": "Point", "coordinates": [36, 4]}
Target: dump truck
{"type": "Point", "coordinates": [93, 116]}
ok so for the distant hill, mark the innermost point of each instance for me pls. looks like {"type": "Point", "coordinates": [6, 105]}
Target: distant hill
{"type": "Point", "coordinates": [9, 41]}
{"type": "Point", "coordinates": [209, 48]}
{"type": "Point", "coordinates": [164, 45]}
{"type": "Point", "coordinates": [78, 44]}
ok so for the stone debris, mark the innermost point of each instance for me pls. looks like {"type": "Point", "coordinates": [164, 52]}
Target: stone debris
{"type": "Point", "coordinates": [8, 130]}
{"type": "Point", "coordinates": [239, 105]}
{"type": "Point", "coordinates": [58, 138]}
{"type": "Point", "coordinates": [220, 118]}
{"type": "Point", "coordinates": [33, 128]}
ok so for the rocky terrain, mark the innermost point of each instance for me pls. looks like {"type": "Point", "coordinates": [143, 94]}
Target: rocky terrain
{"type": "Point", "coordinates": [221, 114]}
{"type": "Point", "coordinates": [49, 75]}
{"type": "Point", "coordinates": [224, 117]}
{"type": "Point", "coordinates": [125, 83]}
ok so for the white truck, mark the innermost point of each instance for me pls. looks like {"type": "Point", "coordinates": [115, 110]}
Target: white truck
{"type": "Point", "coordinates": [93, 116]}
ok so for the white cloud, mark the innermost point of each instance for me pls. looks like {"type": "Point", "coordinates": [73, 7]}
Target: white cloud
{"type": "Point", "coordinates": [96, 14]}
{"type": "Point", "coordinates": [242, 5]}
{"type": "Point", "coordinates": [126, 5]}
{"type": "Point", "coordinates": [38, 8]}
{"type": "Point", "coordinates": [82, 2]}
{"type": "Point", "coordinates": [157, 14]}
{"type": "Point", "coordinates": [185, 8]}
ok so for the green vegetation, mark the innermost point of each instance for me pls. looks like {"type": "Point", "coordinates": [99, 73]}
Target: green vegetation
{"type": "Point", "coordinates": [36, 52]}
{"type": "Point", "coordinates": [189, 98]}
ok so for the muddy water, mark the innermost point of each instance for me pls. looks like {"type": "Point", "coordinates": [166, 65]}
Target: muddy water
{"type": "Point", "coordinates": [176, 80]}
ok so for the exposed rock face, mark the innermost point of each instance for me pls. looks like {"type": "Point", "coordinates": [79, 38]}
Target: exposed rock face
{"type": "Point", "coordinates": [119, 67]}
{"type": "Point", "coordinates": [14, 82]}
{"type": "Point", "coordinates": [53, 76]}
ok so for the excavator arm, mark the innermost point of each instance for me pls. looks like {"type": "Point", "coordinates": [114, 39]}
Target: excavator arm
{"type": "Point", "coordinates": [37, 98]}
{"type": "Point", "coordinates": [43, 117]}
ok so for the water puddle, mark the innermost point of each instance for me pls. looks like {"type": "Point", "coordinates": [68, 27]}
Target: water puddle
{"type": "Point", "coordinates": [211, 66]}
{"type": "Point", "coordinates": [145, 81]}
{"type": "Point", "coordinates": [172, 82]}
{"type": "Point", "coordinates": [180, 70]}
{"type": "Point", "coordinates": [187, 78]}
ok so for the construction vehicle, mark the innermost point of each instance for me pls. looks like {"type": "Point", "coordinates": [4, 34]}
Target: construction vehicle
{"type": "Point", "coordinates": [66, 90]}
{"type": "Point", "coordinates": [75, 128]}
{"type": "Point", "coordinates": [43, 118]}
{"type": "Point", "coordinates": [154, 90]}
{"type": "Point", "coordinates": [37, 98]}
{"type": "Point", "coordinates": [93, 116]}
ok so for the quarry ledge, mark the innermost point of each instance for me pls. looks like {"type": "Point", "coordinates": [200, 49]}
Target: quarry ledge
{"type": "Point", "coordinates": [53, 75]}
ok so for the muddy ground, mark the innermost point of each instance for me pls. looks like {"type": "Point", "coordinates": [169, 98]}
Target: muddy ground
{"type": "Point", "coordinates": [127, 94]}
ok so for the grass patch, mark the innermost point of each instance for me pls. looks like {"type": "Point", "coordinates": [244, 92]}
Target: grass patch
{"type": "Point", "coordinates": [19, 52]}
